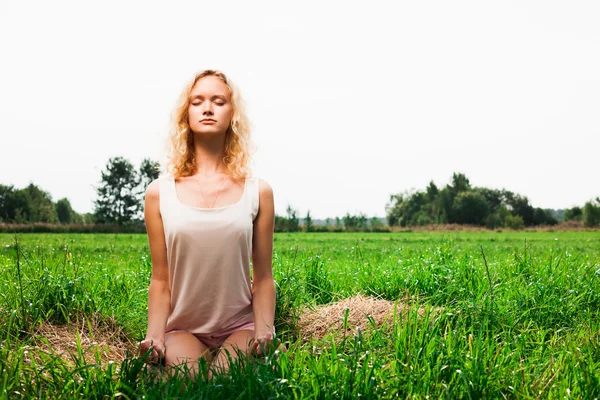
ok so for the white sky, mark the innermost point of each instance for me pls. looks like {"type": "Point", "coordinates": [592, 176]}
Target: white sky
{"type": "Point", "coordinates": [350, 101]}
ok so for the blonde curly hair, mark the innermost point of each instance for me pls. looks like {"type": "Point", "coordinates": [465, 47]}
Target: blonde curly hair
{"type": "Point", "coordinates": [181, 160]}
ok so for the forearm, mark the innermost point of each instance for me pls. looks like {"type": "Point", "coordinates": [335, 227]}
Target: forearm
{"type": "Point", "coordinates": [263, 306]}
{"type": "Point", "coordinates": [159, 308]}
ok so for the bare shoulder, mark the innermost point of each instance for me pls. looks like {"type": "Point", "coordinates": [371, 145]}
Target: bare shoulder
{"type": "Point", "coordinates": [264, 189]}
{"type": "Point", "coordinates": [152, 207]}
{"type": "Point", "coordinates": [152, 192]}
{"type": "Point", "coordinates": [266, 203]}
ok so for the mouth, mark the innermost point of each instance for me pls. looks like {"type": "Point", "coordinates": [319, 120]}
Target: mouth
{"type": "Point", "coordinates": [208, 120]}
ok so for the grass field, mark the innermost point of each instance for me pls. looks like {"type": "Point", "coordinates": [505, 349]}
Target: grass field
{"type": "Point", "coordinates": [523, 326]}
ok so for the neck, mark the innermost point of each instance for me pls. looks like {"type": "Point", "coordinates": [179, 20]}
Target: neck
{"type": "Point", "coordinates": [209, 153]}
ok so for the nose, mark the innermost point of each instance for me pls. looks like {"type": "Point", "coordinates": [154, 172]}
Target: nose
{"type": "Point", "coordinates": [207, 108]}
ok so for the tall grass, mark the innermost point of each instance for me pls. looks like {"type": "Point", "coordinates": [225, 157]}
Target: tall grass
{"type": "Point", "coordinates": [506, 315]}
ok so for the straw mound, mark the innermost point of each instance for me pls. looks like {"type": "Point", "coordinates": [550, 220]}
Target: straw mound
{"type": "Point", "coordinates": [330, 317]}
{"type": "Point", "coordinates": [106, 340]}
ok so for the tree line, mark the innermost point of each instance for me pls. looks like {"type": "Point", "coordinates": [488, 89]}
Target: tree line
{"type": "Point", "coordinates": [32, 204]}
{"type": "Point", "coordinates": [291, 222]}
{"type": "Point", "coordinates": [461, 203]}
{"type": "Point", "coordinates": [120, 200]}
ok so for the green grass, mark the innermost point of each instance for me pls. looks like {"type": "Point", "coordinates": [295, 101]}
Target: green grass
{"type": "Point", "coordinates": [525, 326]}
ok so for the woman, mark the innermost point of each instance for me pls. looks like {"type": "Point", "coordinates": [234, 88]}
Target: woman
{"type": "Point", "coordinates": [205, 220]}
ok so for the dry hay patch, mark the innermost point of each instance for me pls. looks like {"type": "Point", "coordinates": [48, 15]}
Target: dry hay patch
{"type": "Point", "coordinates": [318, 322]}
{"type": "Point", "coordinates": [98, 336]}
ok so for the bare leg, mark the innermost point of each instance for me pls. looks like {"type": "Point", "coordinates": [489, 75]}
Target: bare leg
{"type": "Point", "coordinates": [238, 340]}
{"type": "Point", "coordinates": [184, 348]}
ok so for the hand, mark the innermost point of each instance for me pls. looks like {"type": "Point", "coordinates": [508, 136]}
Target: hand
{"type": "Point", "coordinates": [159, 350]}
{"type": "Point", "coordinates": [260, 342]}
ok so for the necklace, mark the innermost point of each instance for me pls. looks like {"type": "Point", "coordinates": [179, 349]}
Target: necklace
{"type": "Point", "coordinates": [219, 192]}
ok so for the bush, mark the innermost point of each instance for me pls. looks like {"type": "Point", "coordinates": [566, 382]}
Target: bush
{"type": "Point", "coordinates": [423, 219]}
{"type": "Point", "coordinates": [514, 222]}
{"type": "Point", "coordinates": [493, 221]}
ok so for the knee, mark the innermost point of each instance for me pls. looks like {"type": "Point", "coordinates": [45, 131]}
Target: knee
{"type": "Point", "coordinates": [183, 351]}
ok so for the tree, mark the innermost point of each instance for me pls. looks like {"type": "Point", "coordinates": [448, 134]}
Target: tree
{"type": "Point", "coordinates": [149, 171]}
{"type": "Point", "coordinates": [460, 183]}
{"type": "Point", "coordinates": [308, 222]}
{"type": "Point", "coordinates": [444, 201]}
{"type": "Point", "coordinates": [376, 224]}
{"type": "Point", "coordinates": [470, 208]}
{"type": "Point", "coordinates": [27, 205]}
{"type": "Point", "coordinates": [497, 218]}
{"type": "Point", "coordinates": [280, 224]}
{"type": "Point", "coordinates": [493, 197]}
{"type": "Point", "coordinates": [350, 222]}
{"type": "Point", "coordinates": [543, 217]}
{"type": "Point", "coordinates": [432, 192]}
{"type": "Point", "coordinates": [393, 209]}
{"type": "Point", "coordinates": [362, 221]}
{"type": "Point", "coordinates": [408, 209]}
{"type": "Point", "coordinates": [575, 213]}
{"type": "Point", "coordinates": [519, 205]}
{"type": "Point", "coordinates": [117, 200]}
{"type": "Point", "coordinates": [338, 223]}
{"type": "Point", "coordinates": [36, 205]}
{"type": "Point", "coordinates": [293, 220]}
{"type": "Point", "coordinates": [10, 202]}
{"type": "Point", "coordinates": [65, 213]}
{"type": "Point", "coordinates": [434, 207]}
{"type": "Point", "coordinates": [355, 222]}
{"type": "Point", "coordinates": [591, 213]}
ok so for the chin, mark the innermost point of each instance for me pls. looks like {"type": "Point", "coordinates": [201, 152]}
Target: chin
{"type": "Point", "coordinates": [209, 131]}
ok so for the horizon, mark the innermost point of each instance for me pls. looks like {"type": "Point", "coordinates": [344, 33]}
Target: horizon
{"type": "Point", "coordinates": [301, 217]}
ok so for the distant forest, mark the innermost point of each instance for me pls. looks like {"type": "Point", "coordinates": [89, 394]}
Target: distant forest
{"type": "Point", "coordinates": [118, 207]}
{"type": "Point", "coordinates": [461, 203]}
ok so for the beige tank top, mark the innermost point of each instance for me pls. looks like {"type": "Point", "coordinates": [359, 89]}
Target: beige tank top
{"type": "Point", "coordinates": [208, 252]}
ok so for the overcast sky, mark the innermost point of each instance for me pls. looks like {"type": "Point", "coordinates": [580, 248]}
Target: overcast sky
{"type": "Point", "coordinates": [349, 101]}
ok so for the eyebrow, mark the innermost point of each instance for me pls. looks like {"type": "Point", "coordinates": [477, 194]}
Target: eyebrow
{"type": "Point", "coordinates": [217, 96]}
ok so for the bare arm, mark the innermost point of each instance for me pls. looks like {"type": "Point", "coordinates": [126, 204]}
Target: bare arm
{"type": "Point", "coordinates": [159, 294]}
{"type": "Point", "coordinates": [263, 285]}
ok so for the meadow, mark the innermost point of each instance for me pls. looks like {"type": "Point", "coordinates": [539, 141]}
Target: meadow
{"type": "Point", "coordinates": [473, 315]}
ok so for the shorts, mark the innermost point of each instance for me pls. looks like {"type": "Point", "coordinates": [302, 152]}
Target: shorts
{"type": "Point", "coordinates": [216, 340]}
